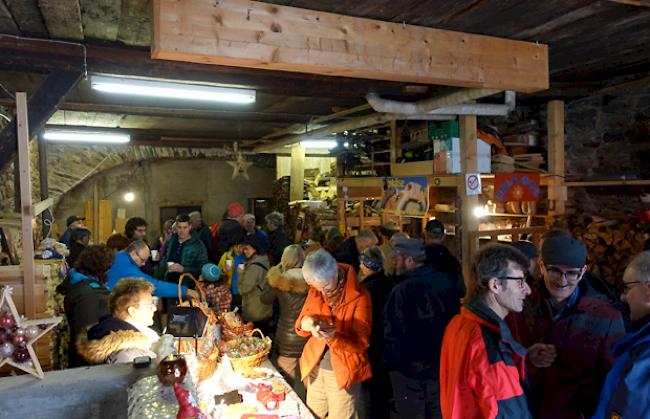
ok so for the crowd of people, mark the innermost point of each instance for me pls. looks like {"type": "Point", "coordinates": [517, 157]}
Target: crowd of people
{"type": "Point", "coordinates": [380, 324]}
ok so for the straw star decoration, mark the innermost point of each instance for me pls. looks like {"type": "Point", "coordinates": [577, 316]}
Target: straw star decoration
{"type": "Point", "coordinates": [240, 166]}
{"type": "Point", "coordinates": [17, 336]}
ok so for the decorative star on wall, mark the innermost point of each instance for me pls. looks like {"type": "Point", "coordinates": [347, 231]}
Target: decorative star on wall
{"type": "Point", "coordinates": [17, 336]}
{"type": "Point", "coordinates": [240, 166]}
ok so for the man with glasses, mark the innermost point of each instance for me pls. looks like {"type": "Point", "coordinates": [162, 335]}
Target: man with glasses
{"type": "Point", "coordinates": [626, 393]}
{"type": "Point", "coordinates": [481, 365]}
{"type": "Point", "coordinates": [415, 316]}
{"type": "Point", "coordinates": [580, 327]}
{"type": "Point", "coordinates": [127, 264]}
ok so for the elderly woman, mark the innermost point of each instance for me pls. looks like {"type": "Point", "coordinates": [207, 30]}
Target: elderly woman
{"type": "Point", "coordinates": [85, 294]}
{"type": "Point", "coordinates": [125, 334]}
{"type": "Point", "coordinates": [288, 286]}
{"type": "Point", "coordinates": [371, 274]}
{"type": "Point", "coordinates": [278, 238]}
{"type": "Point", "coordinates": [336, 318]}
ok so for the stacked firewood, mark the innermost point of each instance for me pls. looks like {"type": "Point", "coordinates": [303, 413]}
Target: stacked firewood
{"type": "Point", "coordinates": [610, 243]}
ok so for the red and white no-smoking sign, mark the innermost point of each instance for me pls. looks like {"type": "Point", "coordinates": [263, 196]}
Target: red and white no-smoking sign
{"type": "Point", "coordinates": [473, 183]}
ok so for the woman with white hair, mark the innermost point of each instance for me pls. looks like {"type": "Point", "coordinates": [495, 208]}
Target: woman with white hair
{"type": "Point", "coordinates": [337, 318]}
{"type": "Point", "coordinates": [289, 288]}
{"type": "Point", "coordinates": [278, 238]}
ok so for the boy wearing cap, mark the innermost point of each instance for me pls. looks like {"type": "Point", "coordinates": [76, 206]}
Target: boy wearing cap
{"type": "Point", "coordinates": [72, 222]}
{"type": "Point", "coordinates": [216, 289]}
{"type": "Point", "coordinates": [415, 317]}
{"type": "Point", "coordinates": [580, 327]}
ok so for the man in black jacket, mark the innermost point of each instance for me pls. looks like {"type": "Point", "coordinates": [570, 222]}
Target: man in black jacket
{"type": "Point", "coordinates": [278, 238]}
{"type": "Point", "coordinates": [353, 246]}
{"type": "Point", "coordinates": [415, 317]}
{"type": "Point", "coordinates": [231, 231]}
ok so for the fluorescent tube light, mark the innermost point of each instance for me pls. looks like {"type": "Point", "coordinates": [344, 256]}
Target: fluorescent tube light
{"type": "Point", "coordinates": [318, 144]}
{"type": "Point", "coordinates": [87, 137]}
{"type": "Point", "coordinates": [172, 90]}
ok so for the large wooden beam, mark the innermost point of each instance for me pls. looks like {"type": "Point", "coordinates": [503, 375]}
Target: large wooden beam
{"type": "Point", "coordinates": [253, 34]}
{"type": "Point", "coordinates": [297, 183]}
{"type": "Point", "coordinates": [556, 168]}
{"type": "Point", "coordinates": [20, 54]}
{"type": "Point", "coordinates": [42, 104]}
{"type": "Point", "coordinates": [27, 211]}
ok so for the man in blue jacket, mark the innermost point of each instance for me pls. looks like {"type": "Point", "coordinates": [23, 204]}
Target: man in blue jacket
{"type": "Point", "coordinates": [127, 264]}
{"type": "Point", "coordinates": [626, 392]}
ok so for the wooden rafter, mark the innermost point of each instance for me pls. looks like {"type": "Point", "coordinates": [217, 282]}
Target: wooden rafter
{"type": "Point", "coordinates": [62, 18]}
{"type": "Point", "coordinates": [42, 104]}
{"type": "Point", "coordinates": [252, 34]}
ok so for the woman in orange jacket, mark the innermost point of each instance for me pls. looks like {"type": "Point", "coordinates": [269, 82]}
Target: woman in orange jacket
{"type": "Point", "coordinates": [337, 318]}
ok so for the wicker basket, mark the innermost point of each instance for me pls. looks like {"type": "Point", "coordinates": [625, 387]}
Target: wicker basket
{"type": "Point", "coordinates": [246, 363]}
{"type": "Point", "coordinates": [230, 333]}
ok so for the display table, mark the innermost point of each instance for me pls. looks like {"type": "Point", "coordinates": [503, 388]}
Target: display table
{"type": "Point", "coordinates": [148, 398]}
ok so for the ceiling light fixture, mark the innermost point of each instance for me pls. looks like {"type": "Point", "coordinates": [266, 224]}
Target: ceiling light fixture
{"type": "Point", "coordinates": [129, 197]}
{"type": "Point", "coordinates": [323, 144]}
{"type": "Point", "coordinates": [172, 90]}
{"type": "Point", "coordinates": [86, 137]}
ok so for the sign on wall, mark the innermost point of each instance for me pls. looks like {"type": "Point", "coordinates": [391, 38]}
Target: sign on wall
{"type": "Point", "coordinates": [516, 187]}
{"type": "Point", "coordinates": [405, 196]}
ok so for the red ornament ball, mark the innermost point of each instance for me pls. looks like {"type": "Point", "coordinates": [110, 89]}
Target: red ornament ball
{"type": "Point", "coordinates": [7, 320]}
{"type": "Point", "coordinates": [21, 355]}
{"type": "Point", "coordinates": [19, 340]}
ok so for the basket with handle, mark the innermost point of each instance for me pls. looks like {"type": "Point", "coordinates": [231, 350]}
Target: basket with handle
{"type": "Point", "coordinates": [204, 349]}
{"type": "Point", "coordinates": [246, 363]}
{"type": "Point", "coordinates": [229, 332]}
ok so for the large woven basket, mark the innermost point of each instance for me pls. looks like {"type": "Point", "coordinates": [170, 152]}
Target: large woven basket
{"type": "Point", "coordinates": [246, 363]}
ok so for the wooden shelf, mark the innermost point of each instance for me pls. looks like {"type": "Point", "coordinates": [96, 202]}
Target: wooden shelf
{"type": "Point", "coordinates": [414, 144]}
{"type": "Point", "coordinates": [367, 221]}
{"type": "Point", "coordinates": [621, 182]}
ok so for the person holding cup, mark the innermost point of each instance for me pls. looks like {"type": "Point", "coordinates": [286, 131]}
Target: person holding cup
{"type": "Point", "coordinates": [228, 267]}
{"type": "Point", "coordinates": [252, 284]}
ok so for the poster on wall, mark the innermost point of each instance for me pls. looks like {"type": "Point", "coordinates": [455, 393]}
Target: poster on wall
{"type": "Point", "coordinates": [405, 196]}
{"type": "Point", "coordinates": [516, 186]}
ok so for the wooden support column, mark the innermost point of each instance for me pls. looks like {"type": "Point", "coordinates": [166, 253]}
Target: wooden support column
{"type": "Point", "coordinates": [46, 215]}
{"type": "Point", "coordinates": [394, 141]}
{"type": "Point", "coordinates": [468, 164]}
{"type": "Point", "coordinates": [95, 219]}
{"type": "Point", "coordinates": [27, 211]}
{"type": "Point", "coordinates": [557, 193]}
{"type": "Point", "coordinates": [297, 183]}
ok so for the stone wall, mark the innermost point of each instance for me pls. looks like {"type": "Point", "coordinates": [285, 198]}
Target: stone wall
{"type": "Point", "coordinates": [608, 136]}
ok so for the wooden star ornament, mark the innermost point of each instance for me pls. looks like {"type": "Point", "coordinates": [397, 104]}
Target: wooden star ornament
{"type": "Point", "coordinates": [240, 166]}
{"type": "Point", "coordinates": [18, 335]}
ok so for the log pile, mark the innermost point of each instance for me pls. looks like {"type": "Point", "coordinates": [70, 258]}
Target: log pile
{"type": "Point", "coordinates": [610, 243]}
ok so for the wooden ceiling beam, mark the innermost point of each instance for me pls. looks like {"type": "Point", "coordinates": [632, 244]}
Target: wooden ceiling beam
{"type": "Point", "coordinates": [18, 54]}
{"type": "Point", "coordinates": [260, 35]}
{"type": "Point", "coordinates": [41, 105]}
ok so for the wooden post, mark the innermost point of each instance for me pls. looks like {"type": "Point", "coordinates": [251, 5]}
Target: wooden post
{"type": "Point", "coordinates": [297, 184]}
{"type": "Point", "coordinates": [394, 141]}
{"type": "Point", "coordinates": [27, 212]}
{"type": "Point", "coordinates": [468, 164]}
{"type": "Point", "coordinates": [46, 216]}
{"type": "Point", "coordinates": [16, 186]}
{"type": "Point", "coordinates": [96, 211]}
{"type": "Point", "coordinates": [556, 186]}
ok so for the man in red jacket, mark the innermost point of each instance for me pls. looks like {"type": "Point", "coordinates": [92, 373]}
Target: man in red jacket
{"type": "Point", "coordinates": [481, 365]}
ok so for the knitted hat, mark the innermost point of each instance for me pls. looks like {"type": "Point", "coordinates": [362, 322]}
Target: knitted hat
{"type": "Point", "coordinates": [372, 258]}
{"type": "Point", "coordinates": [210, 272]}
{"type": "Point", "coordinates": [235, 210]}
{"type": "Point", "coordinates": [253, 241]}
{"type": "Point", "coordinates": [564, 250]}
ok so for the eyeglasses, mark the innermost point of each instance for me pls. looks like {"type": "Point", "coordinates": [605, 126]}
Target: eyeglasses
{"type": "Point", "coordinates": [557, 273]}
{"type": "Point", "coordinates": [142, 260]}
{"type": "Point", "coordinates": [521, 280]}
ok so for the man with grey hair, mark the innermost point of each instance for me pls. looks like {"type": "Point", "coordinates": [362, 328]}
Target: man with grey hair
{"type": "Point", "coordinates": [249, 224]}
{"type": "Point", "coordinates": [278, 238]}
{"type": "Point", "coordinates": [415, 316]}
{"type": "Point", "coordinates": [202, 232]}
{"type": "Point", "coordinates": [353, 246]}
{"type": "Point", "coordinates": [626, 392]}
{"type": "Point", "coordinates": [337, 319]}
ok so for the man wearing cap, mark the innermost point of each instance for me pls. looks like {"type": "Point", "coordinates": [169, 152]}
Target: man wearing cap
{"type": "Point", "coordinates": [231, 230]}
{"type": "Point", "coordinates": [580, 327]}
{"type": "Point", "coordinates": [72, 222]}
{"type": "Point", "coordinates": [202, 232]}
{"type": "Point", "coordinates": [415, 316]}
{"type": "Point", "coordinates": [626, 393]}
{"type": "Point", "coordinates": [438, 255]}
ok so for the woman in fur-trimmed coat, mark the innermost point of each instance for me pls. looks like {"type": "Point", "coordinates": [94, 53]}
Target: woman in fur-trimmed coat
{"type": "Point", "coordinates": [113, 341]}
{"type": "Point", "coordinates": [290, 289]}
